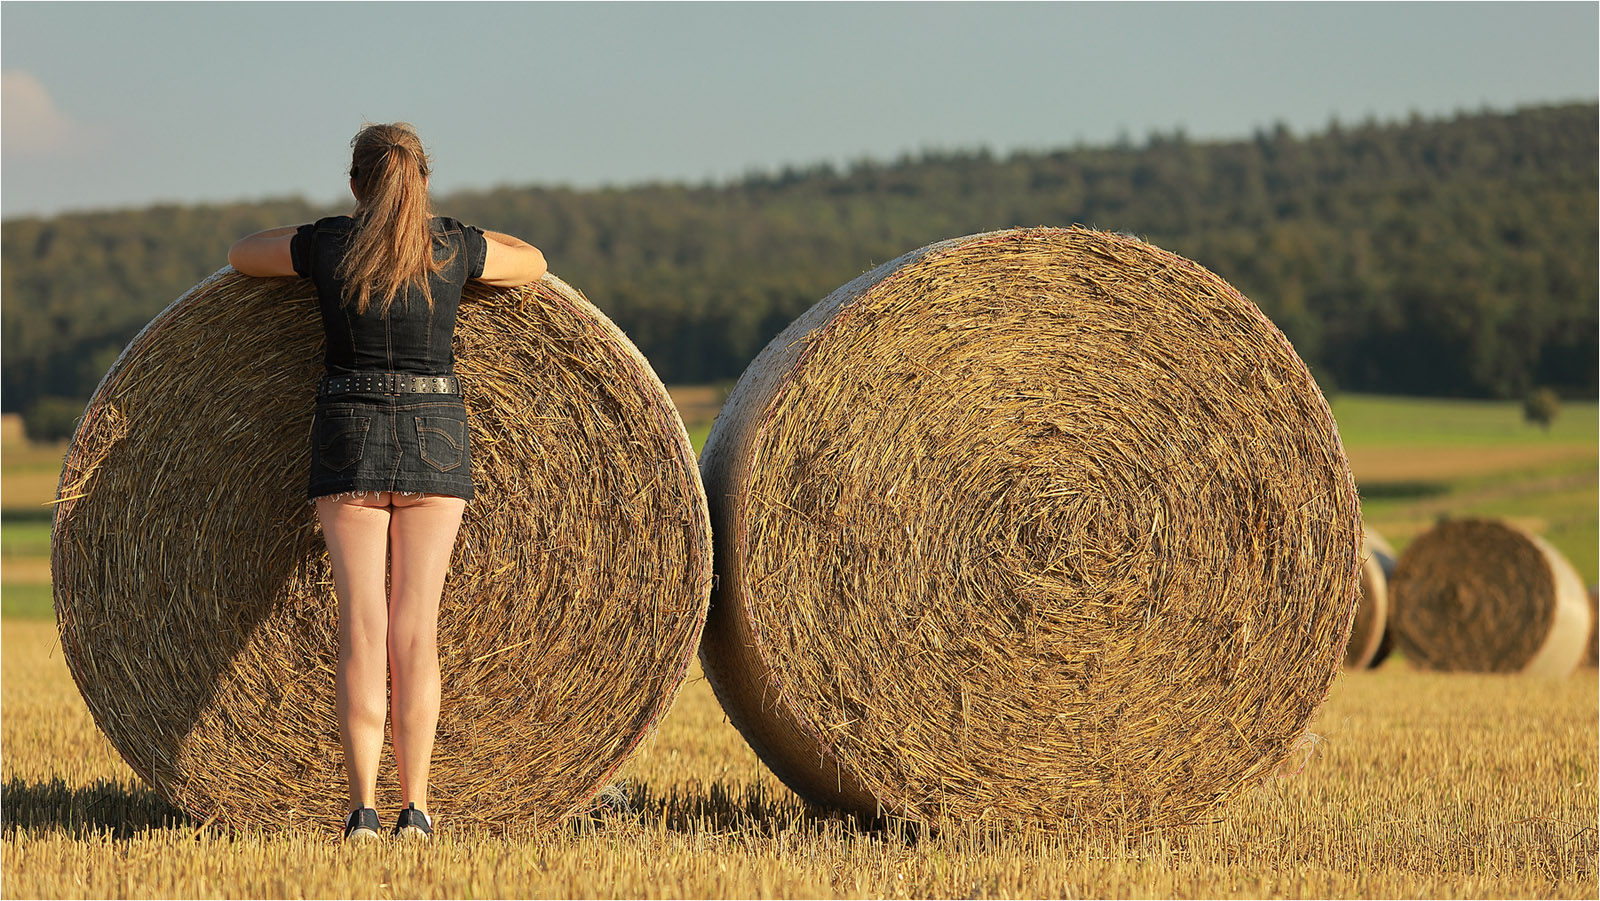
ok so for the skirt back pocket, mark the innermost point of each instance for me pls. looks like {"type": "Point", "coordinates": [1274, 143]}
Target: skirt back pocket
{"type": "Point", "coordinates": [442, 441]}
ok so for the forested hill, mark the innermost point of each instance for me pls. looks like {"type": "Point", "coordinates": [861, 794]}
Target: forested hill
{"type": "Point", "coordinates": [1440, 257]}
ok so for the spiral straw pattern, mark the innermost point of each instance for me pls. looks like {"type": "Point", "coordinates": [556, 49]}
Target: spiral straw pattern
{"type": "Point", "coordinates": [1033, 525]}
{"type": "Point", "coordinates": [196, 606]}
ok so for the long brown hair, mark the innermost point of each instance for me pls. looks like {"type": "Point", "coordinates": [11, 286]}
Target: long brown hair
{"type": "Point", "coordinates": [392, 247]}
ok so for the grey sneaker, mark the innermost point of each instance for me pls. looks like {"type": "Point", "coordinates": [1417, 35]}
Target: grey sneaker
{"type": "Point", "coordinates": [362, 825]}
{"type": "Point", "coordinates": [413, 823]}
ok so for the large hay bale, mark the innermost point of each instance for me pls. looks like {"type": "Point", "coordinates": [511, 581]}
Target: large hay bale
{"type": "Point", "coordinates": [1368, 636]}
{"type": "Point", "coordinates": [1485, 596]}
{"type": "Point", "coordinates": [1028, 525]}
{"type": "Point", "coordinates": [196, 604]}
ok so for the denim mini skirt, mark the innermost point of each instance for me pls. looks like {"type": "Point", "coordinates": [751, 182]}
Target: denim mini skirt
{"type": "Point", "coordinates": [414, 443]}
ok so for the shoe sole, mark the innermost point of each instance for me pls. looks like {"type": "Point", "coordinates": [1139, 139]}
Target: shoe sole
{"type": "Point", "coordinates": [412, 833]}
{"type": "Point", "coordinates": [362, 836]}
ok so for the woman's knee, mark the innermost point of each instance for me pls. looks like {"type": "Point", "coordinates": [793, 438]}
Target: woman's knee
{"type": "Point", "coordinates": [363, 643]}
{"type": "Point", "coordinates": [413, 640]}
{"type": "Point", "coordinates": [409, 661]}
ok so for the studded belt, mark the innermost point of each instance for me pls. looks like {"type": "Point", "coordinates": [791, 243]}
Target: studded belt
{"type": "Point", "coordinates": [388, 383]}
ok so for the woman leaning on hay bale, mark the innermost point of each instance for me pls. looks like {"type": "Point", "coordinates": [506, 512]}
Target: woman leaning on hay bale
{"type": "Point", "coordinates": [390, 468]}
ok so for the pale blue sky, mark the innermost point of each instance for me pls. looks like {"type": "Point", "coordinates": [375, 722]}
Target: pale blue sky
{"type": "Point", "coordinates": [129, 104]}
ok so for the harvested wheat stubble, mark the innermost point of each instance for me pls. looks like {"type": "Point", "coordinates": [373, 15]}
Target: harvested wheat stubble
{"type": "Point", "coordinates": [1031, 525]}
{"type": "Point", "coordinates": [196, 606]}
{"type": "Point", "coordinates": [1369, 641]}
{"type": "Point", "coordinates": [1485, 596]}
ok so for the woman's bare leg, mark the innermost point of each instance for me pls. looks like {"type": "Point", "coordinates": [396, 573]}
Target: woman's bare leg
{"type": "Point", "coordinates": [422, 534]}
{"type": "Point", "coordinates": [357, 532]}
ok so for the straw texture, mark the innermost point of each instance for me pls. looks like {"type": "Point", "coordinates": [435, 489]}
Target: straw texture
{"type": "Point", "coordinates": [1485, 596]}
{"type": "Point", "coordinates": [196, 605]}
{"type": "Point", "coordinates": [1368, 646]}
{"type": "Point", "coordinates": [1034, 525]}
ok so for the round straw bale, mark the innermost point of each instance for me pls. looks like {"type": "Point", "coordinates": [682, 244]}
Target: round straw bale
{"type": "Point", "coordinates": [1367, 646]}
{"type": "Point", "coordinates": [196, 604]}
{"type": "Point", "coordinates": [1591, 651]}
{"type": "Point", "coordinates": [1030, 525]}
{"type": "Point", "coordinates": [1485, 596]}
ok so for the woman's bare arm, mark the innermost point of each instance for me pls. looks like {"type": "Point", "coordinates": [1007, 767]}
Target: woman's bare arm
{"type": "Point", "coordinates": [509, 262]}
{"type": "Point", "coordinates": [265, 253]}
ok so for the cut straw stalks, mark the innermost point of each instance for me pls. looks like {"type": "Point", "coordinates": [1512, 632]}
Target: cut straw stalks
{"type": "Point", "coordinates": [1034, 525]}
{"type": "Point", "coordinates": [1485, 596]}
{"type": "Point", "coordinates": [1370, 643]}
{"type": "Point", "coordinates": [196, 606]}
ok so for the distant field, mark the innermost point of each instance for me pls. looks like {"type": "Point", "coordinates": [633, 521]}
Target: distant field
{"type": "Point", "coordinates": [28, 599]}
{"type": "Point", "coordinates": [24, 537]}
{"type": "Point", "coordinates": [698, 404]}
{"type": "Point", "coordinates": [30, 487]}
{"type": "Point", "coordinates": [1379, 464]}
{"type": "Point", "coordinates": [1416, 461]}
{"type": "Point", "coordinates": [11, 431]}
{"type": "Point", "coordinates": [28, 475]}
{"type": "Point", "coordinates": [1371, 421]}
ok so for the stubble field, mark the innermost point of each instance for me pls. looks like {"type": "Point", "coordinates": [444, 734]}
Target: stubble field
{"type": "Point", "coordinates": [1421, 785]}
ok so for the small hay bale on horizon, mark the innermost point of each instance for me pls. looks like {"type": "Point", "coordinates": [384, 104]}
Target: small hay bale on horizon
{"type": "Point", "coordinates": [1591, 651]}
{"type": "Point", "coordinates": [1036, 525]}
{"type": "Point", "coordinates": [1481, 595]}
{"type": "Point", "coordinates": [1370, 642]}
{"type": "Point", "coordinates": [196, 606]}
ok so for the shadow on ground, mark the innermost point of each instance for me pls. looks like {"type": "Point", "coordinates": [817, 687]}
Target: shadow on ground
{"type": "Point", "coordinates": [102, 807]}
{"type": "Point", "coordinates": [716, 809]}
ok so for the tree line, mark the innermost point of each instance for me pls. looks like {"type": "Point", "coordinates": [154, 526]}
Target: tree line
{"type": "Point", "coordinates": [1448, 257]}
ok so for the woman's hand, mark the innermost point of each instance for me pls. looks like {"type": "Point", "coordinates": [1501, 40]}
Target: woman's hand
{"type": "Point", "coordinates": [265, 253]}
{"type": "Point", "coordinates": [509, 262]}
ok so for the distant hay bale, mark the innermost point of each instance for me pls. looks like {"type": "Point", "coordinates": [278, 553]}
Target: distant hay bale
{"type": "Point", "coordinates": [1025, 526]}
{"type": "Point", "coordinates": [1485, 596]}
{"type": "Point", "coordinates": [196, 605]}
{"type": "Point", "coordinates": [1591, 651]}
{"type": "Point", "coordinates": [1367, 646]}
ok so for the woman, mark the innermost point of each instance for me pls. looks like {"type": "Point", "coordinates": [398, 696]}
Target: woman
{"type": "Point", "coordinates": [390, 467]}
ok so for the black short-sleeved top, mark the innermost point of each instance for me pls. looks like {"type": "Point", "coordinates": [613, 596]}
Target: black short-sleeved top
{"type": "Point", "coordinates": [411, 338]}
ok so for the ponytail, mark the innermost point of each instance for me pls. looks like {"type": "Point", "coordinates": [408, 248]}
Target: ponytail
{"type": "Point", "coordinates": [392, 247]}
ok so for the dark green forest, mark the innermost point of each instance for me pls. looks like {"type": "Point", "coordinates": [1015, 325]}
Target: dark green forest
{"type": "Point", "coordinates": [1450, 257]}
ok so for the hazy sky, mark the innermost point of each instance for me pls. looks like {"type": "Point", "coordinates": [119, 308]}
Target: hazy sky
{"type": "Point", "coordinates": [128, 104]}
